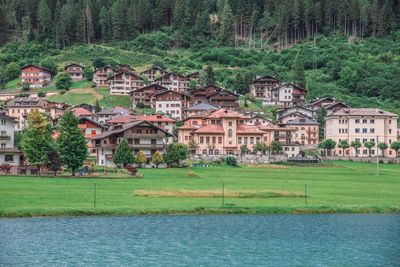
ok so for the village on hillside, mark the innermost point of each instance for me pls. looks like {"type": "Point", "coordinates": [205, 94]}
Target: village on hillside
{"type": "Point", "coordinates": [207, 119]}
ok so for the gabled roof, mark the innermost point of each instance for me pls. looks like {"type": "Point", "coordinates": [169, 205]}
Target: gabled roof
{"type": "Point", "coordinates": [265, 77]}
{"type": "Point", "coordinates": [74, 64]}
{"type": "Point", "coordinates": [211, 128]}
{"type": "Point", "coordinates": [169, 91]}
{"type": "Point", "coordinates": [7, 118]}
{"type": "Point", "coordinates": [36, 66]}
{"type": "Point", "coordinates": [252, 117]}
{"type": "Point", "coordinates": [124, 72]}
{"type": "Point", "coordinates": [327, 107]}
{"type": "Point", "coordinates": [156, 85]}
{"type": "Point", "coordinates": [305, 121]}
{"type": "Point", "coordinates": [296, 113]}
{"type": "Point", "coordinates": [27, 102]}
{"type": "Point", "coordinates": [316, 101]}
{"type": "Point", "coordinates": [249, 129]}
{"type": "Point", "coordinates": [223, 113]}
{"type": "Point", "coordinates": [154, 68]}
{"type": "Point", "coordinates": [171, 73]}
{"type": "Point", "coordinates": [223, 91]}
{"type": "Point", "coordinates": [128, 126]}
{"type": "Point", "coordinates": [155, 118]}
{"type": "Point", "coordinates": [120, 119]}
{"type": "Point", "coordinates": [106, 66]}
{"type": "Point", "coordinates": [79, 112]}
{"type": "Point", "coordinates": [202, 106]}
{"type": "Point", "coordinates": [83, 118]}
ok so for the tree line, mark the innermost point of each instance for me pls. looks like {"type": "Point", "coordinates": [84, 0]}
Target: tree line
{"type": "Point", "coordinates": [258, 23]}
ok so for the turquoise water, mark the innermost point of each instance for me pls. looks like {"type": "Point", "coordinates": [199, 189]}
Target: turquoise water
{"type": "Point", "coordinates": [217, 240]}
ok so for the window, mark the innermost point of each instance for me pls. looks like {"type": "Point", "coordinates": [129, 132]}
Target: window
{"type": "Point", "coordinates": [136, 141]}
{"type": "Point", "coordinates": [230, 133]}
{"type": "Point", "coordinates": [357, 121]}
{"type": "Point", "coordinates": [365, 130]}
{"type": "Point", "coordinates": [201, 140]}
{"type": "Point", "coordinates": [390, 131]}
{"type": "Point", "coordinates": [251, 140]}
{"type": "Point", "coordinates": [371, 121]}
{"type": "Point", "coordinates": [372, 130]}
{"type": "Point", "coordinates": [3, 145]}
{"type": "Point", "coordinates": [9, 158]}
{"type": "Point", "coordinates": [239, 140]}
{"type": "Point", "coordinates": [365, 121]}
{"type": "Point", "coordinates": [230, 124]}
{"type": "Point", "coordinates": [357, 130]}
{"type": "Point", "coordinates": [3, 122]}
{"type": "Point", "coordinates": [365, 140]}
{"type": "Point", "coordinates": [214, 140]}
{"type": "Point", "coordinates": [365, 151]}
{"type": "Point", "coordinates": [245, 140]}
{"type": "Point", "coordinates": [220, 140]}
{"type": "Point", "coordinates": [216, 152]}
{"type": "Point", "coordinates": [204, 151]}
{"type": "Point", "coordinates": [207, 140]}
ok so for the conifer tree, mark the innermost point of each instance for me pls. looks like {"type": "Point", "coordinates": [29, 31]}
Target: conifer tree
{"type": "Point", "coordinates": [299, 76]}
{"type": "Point", "coordinates": [37, 139]}
{"type": "Point", "coordinates": [123, 154]}
{"type": "Point", "coordinates": [44, 17]}
{"type": "Point", "coordinates": [227, 28]}
{"type": "Point", "coordinates": [210, 78]}
{"type": "Point", "coordinates": [71, 142]}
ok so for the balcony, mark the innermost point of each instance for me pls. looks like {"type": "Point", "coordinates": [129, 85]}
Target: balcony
{"type": "Point", "coordinates": [282, 136]}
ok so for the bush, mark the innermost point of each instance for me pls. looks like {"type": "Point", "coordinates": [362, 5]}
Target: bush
{"type": "Point", "coordinates": [231, 161]}
{"type": "Point", "coordinates": [140, 105]}
{"type": "Point", "coordinates": [41, 94]}
{"type": "Point", "coordinates": [26, 86]}
{"type": "Point", "coordinates": [63, 81]}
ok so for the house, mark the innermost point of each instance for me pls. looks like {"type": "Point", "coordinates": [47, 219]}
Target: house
{"type": "Point", "coordinates": [36, 76]}
{"type": "Point", "coordinates": [307, 131]}
{"type": "Point", "coordinates": [261, 88]}
{"type": "Point", "coordinates": [75, 71]}
{"type": "Point", "coordinates": [106, 115]}
{"type": "Point", "coordinates": [153, 73]}
{"type": "Point", "coordinates": [171, 102]}
{"type": "Point", "coordinates": [199, 108]}
{"type": "Point", "coordinates": [160, 121]}
{"type": "Point", "coordinates": [124, 82]}
{"type": "Point", "coordinates": [174, 82]}
{"type": "Point", "coordinates": [9, 154]}
{"type": "Point", "coordinates": [19, 108]}
{"type": "Point", "coordinates": [363, 125]}
{"type": "Point", "coordinates": [55, 110]}
{"type": "Point", "coordinates": [214, 95]}
{"type": "Point", "coordinates": [195, 76]}
{"type": "Point", "coordinates": [284, 115]}
{"type": "Point", "coordinates": [144, 94]}
{"type": "Point", "coordinates": [89, 107]}
{"type": "Point", "coordinates": [101, 75]}
{"type": "Point", "coordinates": [141, 135]}
{"type": "Point", "coordinates": [82, 112]}
{"type": "Point", "coordinates": [287, 95]}
{"type": "Point", "coordinates": [225, 132]}
{"type": "Point", "coordinates": [90, 128]}
{"type": "Point", "coordinates": [120, 119]}
{"type": "Point", "coordinates": [125, 68]}
{"type": "Point", "coordinates": [328, 103]}
{"type": "Point", "coordinates": [257, 120]}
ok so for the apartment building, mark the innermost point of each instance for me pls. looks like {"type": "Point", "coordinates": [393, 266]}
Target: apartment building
{"type": "Point", "coordinates": [36, 76]}
{"type": "Point", "coordinates": [153, 73]}
{"type": "Point", "coordinates": [141, 135]}
{"type": "Point", "coordinates": [8, 153]}
{"type": "Point", "coordinates": [101, 75]}
{"type": "Point", "coordinates": [307, 131]}
{"type": "Point", "coordinates": [171, 102]}
{"type": "Point", "coordinates": [174, 81]}
{"type": "Point", "coordinates": [19, 108]}
{"type": "Point", "coordinates": [363, 125]}
{"type": "Point", "coordinates": [145, 93]}
{"type": "Point", "coordinates": [124, 82]}
{"type": "Point", "coordinates": [75, 71]}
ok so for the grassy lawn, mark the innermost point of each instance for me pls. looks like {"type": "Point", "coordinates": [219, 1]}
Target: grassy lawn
{"type": "Point", "coordinates": [12, 86]}
{"type": "Point", "coordinates": [334, 187]}
{"type": "Point", "coordinates": [108, 101]}
{"type": "Point", "coordinates": [144, 110]}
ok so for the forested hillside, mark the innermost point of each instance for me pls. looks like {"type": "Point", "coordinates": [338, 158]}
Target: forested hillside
{"type": "Point", "coordinates": [348, 49]}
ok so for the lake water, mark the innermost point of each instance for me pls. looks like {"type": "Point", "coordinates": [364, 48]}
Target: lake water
{"type": "Point", "coordinates": [215, 240]}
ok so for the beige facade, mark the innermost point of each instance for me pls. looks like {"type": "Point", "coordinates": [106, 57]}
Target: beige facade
{"type": "Point", "coordinates": [359, 124]}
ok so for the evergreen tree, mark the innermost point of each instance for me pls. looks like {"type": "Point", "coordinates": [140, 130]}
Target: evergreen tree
{"type": "Point", "coordinates": [118, 19]}
{"type": "Point", "coordinates": [210, 78]}
{"type": "Point", "coordinates": [179, 13]}
{"type": "Point", "coordinates": [321, 114]}
{"type": "Point", "coordinates": [55, 162]}
{"type": "Point", "coordinates": [37, 139]}
{"type": "Point", "coordinates": [97, 107]}
{"type": "Point", "coordinates": [299, 76]}
{"type": "Point", "coordinates": [44, 17]}
{"type": "Point", "coordinates": [123, 154]}
{"type": "Point", "coordinates": [105, 24]}
{"type": "Point", "coordinates": [227, 28]}
{"type": "Point", "coordinates": [175, 154]}
{"type": "Point", "coordinates": [71, 142]}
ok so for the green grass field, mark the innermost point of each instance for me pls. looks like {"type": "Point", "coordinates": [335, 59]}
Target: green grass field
{"type": "Point", "coordinates": [333, 187]}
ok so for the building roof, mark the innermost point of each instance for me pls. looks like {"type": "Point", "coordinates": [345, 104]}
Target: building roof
{"type": "Point", "coordinates": [82, 118]}
{"type": "Point", "coordinates": [7, 118]}
{"type": "Point", "coordinates": [168, 91]}
{"type": "Point", "coordinates": [36, 66]}
{"type": "Point", "coordinates": [172, 73]}
{"type": "Point", "coordinates": [189, 127]}
{"type": "Point", "coordinates": [155, 85]}
{"type": "Point", "coordinates": [155, 118]}
{"type": "Point", "coordinates": [27, 102]}
{"type": "Point", "coordinates": [316, 101]}
{"type": "Point", "coordinates": [202, 106]}
{"type": "Point", "coordinates": [153, 68]}
{"type": "Point", "coordinates": [79, 112]}
{"type": "Point", "coordinates": [305, 121]}
{"type": "Point", "coordinates": [249, 129]}
{"type": "Point", "coordinates": [124, 72]}
{"type": "Point", "coordinates": [211, 128]}
{"type": "Point", "coordinates": [224, 113]}
{"type": "Point", "coordinates": [127, 126]}
{"type": "Point", "coordinates": [362, 112]}
{"type": "Point", "coordinates": [265, 77]}
{"type": "Point", "coordinates": [74, 64]}
{"type": "Point", "coordinates": [119, 119]}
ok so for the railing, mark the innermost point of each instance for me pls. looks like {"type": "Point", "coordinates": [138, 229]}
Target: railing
{"type": "Point", "coordinates": [5, 137]}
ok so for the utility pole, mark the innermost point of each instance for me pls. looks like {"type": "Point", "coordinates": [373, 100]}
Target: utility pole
{"type": "Point", "coordinates": [94, 195]}
{"type": "Point", "coordinates": [223, 194]}
{"type": "Point", "coordinates": [377, 156]}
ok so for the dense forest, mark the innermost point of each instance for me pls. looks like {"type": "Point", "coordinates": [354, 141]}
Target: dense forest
{"type": "Point", "coordinates": [256, 23]}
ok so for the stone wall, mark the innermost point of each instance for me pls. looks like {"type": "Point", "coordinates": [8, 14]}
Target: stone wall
{"type": "Point", "coordinates": [365, 159]}
{"type": "Point", "coordinates": [253, 159]}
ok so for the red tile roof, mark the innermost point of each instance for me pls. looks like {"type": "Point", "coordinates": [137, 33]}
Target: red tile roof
{"type": "Point", "coordinates": [155, 118]}
{"type": "Point", "coordinates": [189, 127]}
{"type": "Point", "coordinates": [211, 128]}
{"type": "Point", "coordinates": [79, 112]}
{"type": "Point", "coordinates": [249, 129]}
{"type": "Point", "coordinates": [223, 113]}
{"type": "Point", "coordinates": [121, 119]}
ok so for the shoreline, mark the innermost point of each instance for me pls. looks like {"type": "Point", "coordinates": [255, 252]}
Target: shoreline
{"type": "Point", "coordinates": [202, 211]}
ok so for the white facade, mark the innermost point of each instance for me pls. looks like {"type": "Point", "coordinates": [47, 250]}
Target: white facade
{"type": "Point", "coordinates": [173, 108]}
{"type": "Point", "coordinates": [8, 154]}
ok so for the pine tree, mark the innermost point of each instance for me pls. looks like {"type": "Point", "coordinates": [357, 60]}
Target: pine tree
{"type": "Point", "coordinates": [72, 143]}
{"type": "Point", "coordinates": [179, 13]}
{"type": "Point", "coordinates": [118, 19]}
{"type": "Point", "coordinates": [210, 78]}
{"type": "Point", "coordinates": [227, 28]}
{"type": "Point", "coordinates": [123, 154]}
{"type": "Point", "coordinates": [37, 139]}
{"type": "Point", "coordinates": [299, 76]}
{"type": "Point", "coordinates": [105, 25]}
{"type": "Point", "coordinates": [44, 17]}
{"type": "Point", "coordinates": [202, 28]}
{"type": "Point", "coordinates": [97, 107]}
